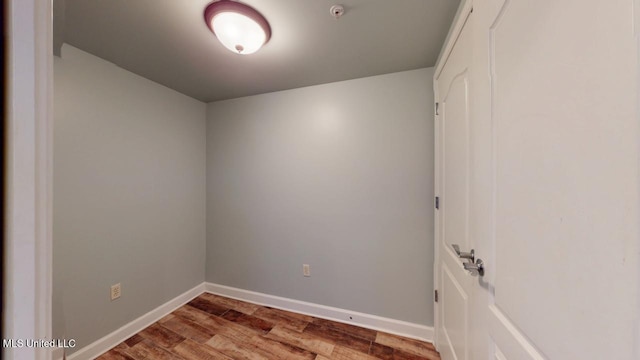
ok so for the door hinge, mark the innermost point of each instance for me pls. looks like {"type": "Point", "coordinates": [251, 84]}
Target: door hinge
{"type": "Point", "coordinates": [437, 108]}
{"type": "Point", "coordinates": [437, 202]}
{"type": "Point", "coordinates": [436, 295]}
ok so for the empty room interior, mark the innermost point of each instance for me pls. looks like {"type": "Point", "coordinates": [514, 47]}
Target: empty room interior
{"type": "Point", "coordinates": [415, 179]}
{"type": "Point", "coordinates": [178, 162]}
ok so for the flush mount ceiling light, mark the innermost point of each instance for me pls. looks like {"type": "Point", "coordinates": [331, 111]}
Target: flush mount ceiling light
{"type": "Point", "coordinates": [239, 27]}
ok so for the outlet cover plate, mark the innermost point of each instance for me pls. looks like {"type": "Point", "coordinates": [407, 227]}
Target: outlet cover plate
{"type": "Point", "coordinates": [116, 291]}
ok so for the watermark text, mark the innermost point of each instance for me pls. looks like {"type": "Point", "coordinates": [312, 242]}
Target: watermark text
{"type": "Point", "coordinates": [38, 343]}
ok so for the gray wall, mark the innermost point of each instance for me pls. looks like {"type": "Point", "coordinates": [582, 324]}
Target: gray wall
{"type": "Point", "coordinates": [338, 176]}
{"type": "Point", "coordinates": [129, 185]}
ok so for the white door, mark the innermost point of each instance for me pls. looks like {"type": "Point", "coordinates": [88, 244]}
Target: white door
{"type": "Point", "coordinates": [551, 152]}
{"type": "Point", "coordinates": [452, 188]}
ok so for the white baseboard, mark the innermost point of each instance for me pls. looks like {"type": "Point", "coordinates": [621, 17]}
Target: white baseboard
{"type": "Point", "coordinates": [106, 343]}
{"type": "Point", "coordinates": [398, 327]}
{"type": "Point", "coordinates": [392, 326]}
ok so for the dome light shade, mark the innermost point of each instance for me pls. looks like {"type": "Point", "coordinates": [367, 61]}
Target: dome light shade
{"type": "Point", "coordinates": [239, 27]}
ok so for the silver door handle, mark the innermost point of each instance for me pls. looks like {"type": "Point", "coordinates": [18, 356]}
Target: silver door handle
{"type": "Point", "coordinates": [464, 255]}
{"type": "Point", "coordinates": [478, 267]}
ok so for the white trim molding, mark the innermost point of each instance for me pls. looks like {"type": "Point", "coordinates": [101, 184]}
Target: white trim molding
{"type": "Point", "coordinates": [374, 322]}
{"type": "Point", "coordinates": [106, 343]}
{"type": "Point", "coordinates": [465, 8]}
{"type": "Point", "coordinates": [28, 206]}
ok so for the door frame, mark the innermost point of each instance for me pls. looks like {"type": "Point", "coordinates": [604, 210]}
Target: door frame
{"type": "Point", "coordinates": [464, 10]}
{"type": "Point", "coordinates": [28, 178]}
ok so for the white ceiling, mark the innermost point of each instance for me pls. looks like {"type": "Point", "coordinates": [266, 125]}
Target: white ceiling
{"type": "Point", "coordinates": [168, 42]}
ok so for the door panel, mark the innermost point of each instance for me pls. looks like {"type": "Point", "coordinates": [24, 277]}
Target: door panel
{"type": "Point", "coordinates": [455, 192]}
{"type": "Point", "coordinates": [453, 188]}
{"type": "Point", "coordinates": [454, 314]}
{"type": "Point", "coordinates": [558, 68]}
{"type": "Point", "coordinates": [537, 165]}
{"type": "Point", "coordinates": [507, 340]}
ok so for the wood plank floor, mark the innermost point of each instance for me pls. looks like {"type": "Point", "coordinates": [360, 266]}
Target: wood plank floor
{"type": "Point", "coordinates": [215, 327]}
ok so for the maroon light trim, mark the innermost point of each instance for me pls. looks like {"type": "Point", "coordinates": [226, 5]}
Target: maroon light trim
{"type": "Point", "coordinates": [217, 7]}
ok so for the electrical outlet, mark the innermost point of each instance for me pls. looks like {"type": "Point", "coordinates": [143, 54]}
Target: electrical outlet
{"type": "Point", "coordinates": [306, 270]}
{"type": "Point", "coordinates": [116, 291]}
